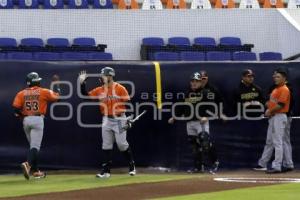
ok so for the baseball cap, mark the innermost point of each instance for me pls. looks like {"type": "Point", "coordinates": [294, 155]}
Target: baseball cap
{"type": "Point", "coordinates": [196, 76]}
{"type": "Point", "coordinates": [248, 72]}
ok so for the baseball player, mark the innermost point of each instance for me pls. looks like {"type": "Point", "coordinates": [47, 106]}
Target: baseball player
{"type": "Point", "coordinates": [30, 105]}
{"type": "Point", "coordinates": [198, 128]}
{"type": "Point", "coordinates": [277, 108]}
{"type": "Point", "coordinates": [112, 97]}
{"type": "Point", "coordinates": [249, 96]}
{"type": "Point", "coordinates": [287, 164]}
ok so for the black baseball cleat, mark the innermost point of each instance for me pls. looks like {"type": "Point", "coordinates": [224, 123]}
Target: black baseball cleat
{"type": "Point", "coordinates": [105, 172]}
{"type": "Point", "coordinates": [214, 168]}
{"type": "Point", "coordinates": [196, 170]}
{"type": "Point", "coordinates": [26, 170]}
{"type": "Point", "coordinates": [259, 168]}
{"type": "Point", "coordinates": [132, 171]}
{"type": "Point", "coordinates": [287, 169]}
{"type": "Point", "coordinates": [273, 171]}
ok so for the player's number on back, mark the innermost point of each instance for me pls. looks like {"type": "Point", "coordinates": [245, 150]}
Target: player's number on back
{"type": "Point", "coordinates": [32, 105]}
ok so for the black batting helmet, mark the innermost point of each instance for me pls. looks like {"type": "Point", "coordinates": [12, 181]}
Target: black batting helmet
{"type": "Point", "coordinates": [33, 78]}
{"type": "Point", "coordinates": [196, 76]}
{"type": "Point", "coordinates": [108, 71]}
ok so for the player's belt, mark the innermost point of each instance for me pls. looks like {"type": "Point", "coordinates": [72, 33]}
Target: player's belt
{"type": "Point", "coordinates": [37, 114]}
{"type": "Point", "coordinates": [113, 116]}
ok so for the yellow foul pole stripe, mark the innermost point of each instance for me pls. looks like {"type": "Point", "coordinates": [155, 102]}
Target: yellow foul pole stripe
{"type": "Point", "coordinates": [158, 84]}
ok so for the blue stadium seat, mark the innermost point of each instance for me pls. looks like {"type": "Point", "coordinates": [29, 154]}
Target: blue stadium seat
{"type": "Point", "coordinates": [179, 41]}
{"type": "Point", "coordinates": [32, 42]}
{"type": "Point", "coordinates": [218, 56]}
{"type": "Point", "coordinates": [2, 56]}
{"type": "Point", "coordinates": [153, 41]}
{"type": "Point", "coordinates": [166, 56]}
{"type": "Point", "coordinates": [266, 56]}
{"type": "Point", "coordinates": [58, 42]}
{"type": "Point", "coordinates": [103, 4]}
{"type": "Point", "coordinates": [230, 41]}
{"type": "Point", "coordinates": [46, 56]}
{"type": "Point", "coordinates": [205, 41]}
{"type": "Point", "coordinates": [84, 41]}
{"type": "Point", "coordinates": [53, 4]}
{"type": "Point", "coordinates": [19, 55]}
{"type": "Point", "coordinates": [32, 4]}
{"type": "Point", "coordinates": [99, 56]}
{"type": "Point", "coordinates": [79, 4]}
{"type": "Point", "coordinates": [74, 56]}
{"type": "Point", "coordinates": [6, 4]}
{"type": "Point", "coordinates": [192, 56]}
{"type": "Point", "coordinates": [244, 56]}
{"type": "Point", "coordinates": [8, 42]}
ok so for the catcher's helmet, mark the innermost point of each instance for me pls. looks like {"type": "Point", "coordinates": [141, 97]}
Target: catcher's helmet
{"type": "Point", "coordinates": [33, 78]}
{"type": "Point", "coordinates": [108, 71]}
{"type": "Point", "coordinates": [196, 76]}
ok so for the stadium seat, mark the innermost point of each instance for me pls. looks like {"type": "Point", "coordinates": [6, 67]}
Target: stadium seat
{"type": "Point", "coordinates": [128, 4]}
{"type": "Point", "coordinates": [176, 4]}
{"type": "Point", "coordinates": [32, 44]}
{"type": "Point", "coordinates": [152, 5]}
{"type": "Point", "coordinates": [103, 4]}
{"type": "Point", "coordinates": [166, 56]}
{"type": "Point", "coordinates": [249, 4]}
{"type": "Point", "coordinates": [8, 42]}
{"type": "Point", "coordinates": [192, 56]}
{"type": "Point", "coordinates": [2, 56]}
{"type": "Point", "coordinates": [205, 41]}
{"type": "Point", "coordinates": [58, 42]}
{"type": "Point", "coordinates": [293, 4]}
{"type": "Point", "coordinates": [6, 4]}
{"type": "Point", "coordinates": [225, 4]}
{"type": "Point", "coordinates": [84, 41]}
{"type": "Point", "coordinates": [78, 4]}
{"type": "Point", "coordinates": [218, 56]}
{"type": "Point", "coordinates": [273, 4]}
{"type": "Point", "coordinates": [32, 4]}
{"type": "Point", "coordinates": [266, 56]}
{"type": "Point", "coordinates": [244, 56]}
{"type": "Point", "coordinates": [74, 56]}
{"type": "Point", "coordinates": [153, 41]}
{"type": "Point", "coordinates": [179, 41]}
{"type": "Point", "coordinates": [99, 56]}
{"type": "Point", "coordinates": [230, 41]}
{"type": "Point", "coordinates": [53, 4]}
{"type": "Point", "coordinates": [201, 4]}
{"type": "Point", "coordinates": [46, 56]}
{"type": "Point", "coordinates": [19, 56]}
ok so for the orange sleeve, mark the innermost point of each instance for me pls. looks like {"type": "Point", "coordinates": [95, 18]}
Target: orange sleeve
{"type": "Point", "coordinates": [122, 92]}
{"type": "Point", "coordinates": [19, 100]}
{"type": "Point", "coordinates": [284, 95]}
{"type": "Point", "coordinates": [49, 95]}
{"type": "Point", "coordinates": [94, 92]}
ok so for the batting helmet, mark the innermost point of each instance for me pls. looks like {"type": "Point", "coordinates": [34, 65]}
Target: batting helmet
{"type": "Point", "coordinates": [108, 71]}
{"type": "Point", "coordinates": [196, 76]}
{"type": "Point", "coordinates": [33, 78]}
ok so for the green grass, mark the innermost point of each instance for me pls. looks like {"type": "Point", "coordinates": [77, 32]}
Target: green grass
{"type": "Point", "coordinates": [276, 192]}
{"type": "Point", "coordinates": [16, 185]}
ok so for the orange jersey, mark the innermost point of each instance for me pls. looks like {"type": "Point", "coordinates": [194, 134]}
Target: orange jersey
{"type": "Point", "coordinates": [33, 100]}
{"type": "Point", "coordinates": [112, 99]}
{"type": "Point", "coordinates": [280, 94]}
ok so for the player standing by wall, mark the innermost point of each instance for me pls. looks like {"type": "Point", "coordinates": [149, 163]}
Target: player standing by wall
{"type": "Point", "coordinates": [198, 126]}
{"type": "Point", "coordinates": [30, 105]}
{"type": "Point", "coordinates": [112, 97]}
{"type": "Point", "coordinates": [277, 108]}
{"type": "Point", "coordinates": [249, 96]}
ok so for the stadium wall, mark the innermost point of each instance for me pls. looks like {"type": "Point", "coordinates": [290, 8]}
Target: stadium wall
{"type": "Point", "coordinates": [123, 30]}
{"type": "Point", "coordinates": [155, 143]}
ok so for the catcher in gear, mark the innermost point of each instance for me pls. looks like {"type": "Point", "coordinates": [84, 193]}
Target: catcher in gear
{"type": "Point", "coordinates": [112, 97]}
{"type": "Point", "coordinates": [30, 105]}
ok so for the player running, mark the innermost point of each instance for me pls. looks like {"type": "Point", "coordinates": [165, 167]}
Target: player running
{"type": "Point", "coordinates": [112, 97]}
{"type": "Point", "coordinates": [30, 105]}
